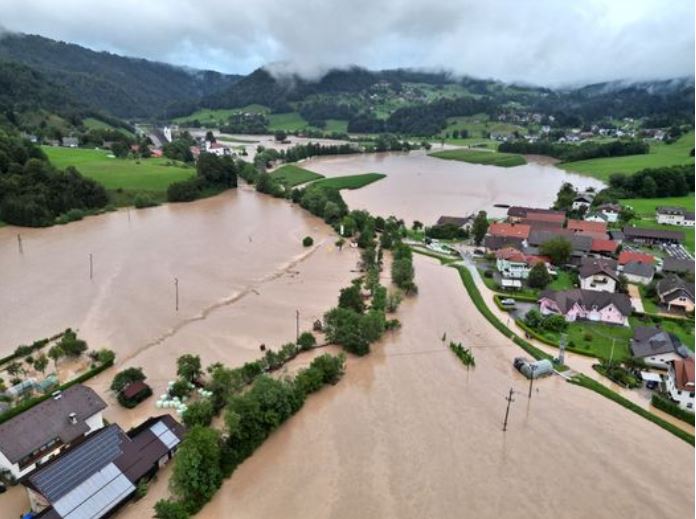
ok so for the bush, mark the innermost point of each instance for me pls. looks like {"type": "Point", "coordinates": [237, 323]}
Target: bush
{"type": "Point", "coordinates": [125, 377]}
{"type": "Point", "coordinates": [184, 191]}
{"type": "Point", "coordinates": [200, 412]}
{"type": "Point", "coordinates": [143, 200]}
{"type": "Point", "coordinates": [664, 403]}
{"type": "Point", "coordinates": [308, 241]}
{"type": "Point", "coordinates": [130, 403]}
{"type": "Point", "coordinates": [306, 341]}
{"type": "Point", "coordinates": [180, 389]}
{"type": "Point", "coordinates": [166, 509]}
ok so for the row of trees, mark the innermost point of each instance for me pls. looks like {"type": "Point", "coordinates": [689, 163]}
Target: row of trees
{"type": "Point", "coordinates": [653, 182]}
{"type": "Point", "coordinates": [206, 457]}
{"type": "Point", "coordinates": [572, 152]}
{"type": "Point", "coordinates": [212, 172]}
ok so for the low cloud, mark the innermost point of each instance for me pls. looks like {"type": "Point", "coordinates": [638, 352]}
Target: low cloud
{"type": "Point", "coordinates": [543, 42]}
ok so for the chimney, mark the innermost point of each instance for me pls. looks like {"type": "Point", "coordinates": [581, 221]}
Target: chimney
{"type": "Point", "coordinates": [72, 418]}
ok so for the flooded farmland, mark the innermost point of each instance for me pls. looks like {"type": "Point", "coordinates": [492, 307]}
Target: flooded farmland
{"type": "Point", "coordinates": [419, 187]}
{"type": "Point", "coordinates": [408, 432]}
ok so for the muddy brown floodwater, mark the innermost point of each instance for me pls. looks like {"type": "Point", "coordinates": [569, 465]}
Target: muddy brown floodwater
{"type": "Point", "coordinates": [408, 432]}
{"type": "Point", "coordinates": [419, 187]}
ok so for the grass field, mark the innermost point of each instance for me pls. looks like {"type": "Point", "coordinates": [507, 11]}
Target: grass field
{"type": "Point", "coordinates": [479, 126]}
{"type": "Point", "coordinates": [151, 175]}
{"type": "Point", "coordinates": [350, 181]}
{"type": "Point", "coordinates": [218, 116]}
{"type": "Point", "coordinates": [645, 207]}
{"type": "Point", "coordinates": [660, 155]}
{"type": "Point", "coordinates": [505, 160]}
{"type": "Point", "coordinates": [336, 126]}
{"type": "Point", "coordinates": [596, 339]}
{"type": "Point", "coordinates": [292, 175]}
{"type": "Point", "coordinates": [289, 122]}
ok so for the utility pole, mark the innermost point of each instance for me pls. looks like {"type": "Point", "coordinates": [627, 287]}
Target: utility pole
{"type": "Point", "coordinates": [19, 243]}
{"type": "Point", "coordinates": [531, 379]}
{"type": "Point", "coordinates": [91, 267]}
{"type": "Point", "coordinates": [297, 325]}
{"type": "Point", "coordinates": [176, 287]}
{"type": "Point", "coordinates": [507, 410]}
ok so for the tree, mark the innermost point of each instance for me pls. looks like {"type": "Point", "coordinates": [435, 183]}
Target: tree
{"type": "Point", "coordinates": [71, 345]}
{"type": "Point", "coordinates": [188, 367]}
{"type": "Point", "coordinates": [307, 241]}
{"type": "Point", "coordinates": [41, 363]}
{"type": "Point", "coordinates": [14, 369]}
{"type": "Point", "coordinates": [280, 136]}
{"type": "Point", "coordinates": [626, 214]}
{"type": "Point", "coordinates": [209, 136]}
{"type": "Point", "coordinates": [564, 198]}
{"type": "Point", "coordinates": [648, 188]}
{"type": "Point", "coordinates": [480, 227]}
{"type": "Point", "coordinates": [200, 412]}
{"type": "Point", "coordinates": [306, 341]}
{"type": "Point", "coordinates": [197, 473]}
{"type": "Point", "coordinates": [417, 225]}
{"type": "Point", "coordinates": [539, 277]}
{"type": "Point", "coordinates": [402, 274]}
{"type": "Point", "coordinates": [120, 149]}
{"type": "Point", "coordinates": [126, 377]}
{"type": "Point", "coordinates": [55, 353]}
{"type": "Point", "coordinates": [557, 249]}
{"type": "Point", "coordinates": [167, 509]}
{"type": "Point", "coordinates": [351, 297]}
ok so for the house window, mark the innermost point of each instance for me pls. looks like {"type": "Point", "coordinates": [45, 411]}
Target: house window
{"type": "Point", "coordinates": [689, 405]}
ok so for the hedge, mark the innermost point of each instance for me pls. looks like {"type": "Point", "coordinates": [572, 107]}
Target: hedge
{"type": "Point", "coordinates": [36, 345]}
{"type": "Point", "coordinates": [665, 404]}
{"type": "Point", "coordinates": [585, 381]}
{"type": "Point", "coordinates": [482, 307]}
{"type": "Point", "coordinates": [31, 402]}
{"type": "Point", "coordinates": [518, 297]}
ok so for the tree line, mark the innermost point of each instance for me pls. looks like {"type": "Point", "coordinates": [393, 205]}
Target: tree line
{"type": "Point", "coordinates": [573, 152]}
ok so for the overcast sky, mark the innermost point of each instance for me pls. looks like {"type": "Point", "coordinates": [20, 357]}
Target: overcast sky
{"type": "Point", "coordinates": [548, 42]}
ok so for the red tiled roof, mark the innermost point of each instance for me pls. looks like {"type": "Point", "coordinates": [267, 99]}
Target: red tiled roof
{"type": "Point", "coordinates": [635, 257]}
{"type": "Point", "coordinates": [684, 374]}
{"type": "Point", "coordinates": [599, 245]}
{"type": "Point", "coordinates": [509, 230]}
{"type": "Point", "coordinates": [546, 217]}
{"type": "Point", "coordinates": [584, 226]}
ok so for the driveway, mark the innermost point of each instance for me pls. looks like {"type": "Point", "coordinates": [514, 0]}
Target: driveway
{"type": "Point", "coordinates": [636, 301]}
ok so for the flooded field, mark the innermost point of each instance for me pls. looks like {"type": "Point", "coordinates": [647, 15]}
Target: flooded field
{"type": "Point", "coordinates": [419, 187]}
{"type": "Point", "coordinates": [408, 432]}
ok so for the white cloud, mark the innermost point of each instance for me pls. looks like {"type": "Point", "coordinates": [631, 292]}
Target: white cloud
{"type": "Point", "coordinates": [548, 42]}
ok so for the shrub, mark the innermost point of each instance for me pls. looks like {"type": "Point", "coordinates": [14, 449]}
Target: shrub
{"type": "Point", "coordinates": [180, 389]}
{"type": "Point", "coordinates": [306, 341]}
{"type": "Point", "coordinates": [184, 191]}
{"type": "Point", "coordinates": [308, 241]}
{"type": "Point", "coordinates": [200, 412]}
{"type": "Point", "coordinates": [166, 509]}
{"type": "Point", "coordinates": [125, 377]}
{"type": "Point", "coordinates": [143, 200]}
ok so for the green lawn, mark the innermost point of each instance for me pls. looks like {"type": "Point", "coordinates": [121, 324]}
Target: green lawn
{"type": "Point", "coordinates": [292, 175]}
{"type": "Point", "coordinates": [218, 116]}
{"type": "Point", "coordinates": [596, 339]}
{"type": "Point", "coordinates": [649, 305]}
{"type": "Point", "coordinates": [660, 155]}
{"type": "Point", "coordinates": [95, 124]}
{"type": "Point", "coordinates": [152, 175]}
{"type": "Point", "coordinates": [645, 207]}
{"type": "Point", "coordinates": [289, 122]}
{"type": "Point", "coordinates": [336, 126]}
{"type": "Point", "coordinates": [505, 160]}
{"type": "Point", "coordinates": [350, 181]}
{"type": "Point", "coordinates": [563, 281]}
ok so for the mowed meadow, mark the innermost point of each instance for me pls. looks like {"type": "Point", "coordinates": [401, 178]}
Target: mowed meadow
{"type": "Point", "coordinates": [151, 175]}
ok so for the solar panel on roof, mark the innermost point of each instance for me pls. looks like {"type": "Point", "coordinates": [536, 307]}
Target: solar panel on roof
{"type": "Point", "coordinates": [96, 496]}
{"type": "Point", "coordinates": [76, 466]}
{"type": "Point", "coordinates": [165, 435]}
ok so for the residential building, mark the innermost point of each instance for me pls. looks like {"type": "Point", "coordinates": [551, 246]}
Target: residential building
{"type": "Point", "coordinates": [596, 217]}
{"type": "Point", "coordinates": [463, 222]}
{"type": "Point", "coordinates": [583, 200]}
{"type": "Point", "coordinates": [652, 236]}
{"type": "Point", "coordinates": [96, 476]}
{"type": "Point", "coordinates": [639, 273]}
{"type": "Point", "coordinates": [609, 211]}
{"type": "Point", "coordinates": [587, 305]}
{"type": "Point", "coordinates": [42, 431]}
{"type": "Point", "coordinates": [656, 347]}
{"type": "Point", "coordinates": [70, 142]}
{"type": "Point", "coordinates": [514, 264]}
{"type": "Point", "coordinates": [680, 383]}
{"type": "Point", "coordinates": [675, 293]}
{"type": "Point", "coordinates": [604, 247]}
{"type": "Point", "coordinates": [516, 213]}
{"type": "Point", "coordinates": [547, 219]}
{"type": "Point", "coordinates": [616, 235]}
{"type": "Point", "coordinates": [509, 230]}
{"type": "Point", "coordinates": [494, 243]}
{"type": "Point", "coordinates": [677, 266]}
{"type": "Point", "coordinates": [598, 274]}
{"type": "Point", "coordinates": [627, 257]}
{"type": "Point", "coordinates": [582, 245]}
{"type": "Point", "coordinates": [674, 216]}
{"type": "Point", "coordinates": [594, 229]}
{"type": "Point", "coordinates": [217, 149]}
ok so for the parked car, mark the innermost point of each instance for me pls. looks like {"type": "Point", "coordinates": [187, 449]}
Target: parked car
{"type": "Point", "coordinates": [508, 302]}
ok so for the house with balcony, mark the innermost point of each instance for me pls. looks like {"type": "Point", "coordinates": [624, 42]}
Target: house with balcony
{"type": "Point", "coordinates": [586, 305]}
{"type": "Point", "coordinates": [675, 293]}
{"type": "Point", "coordinates": [44, 430]}
{"type": "Point", "coordinates": [656, 347]}
{"type": "Point", "coordinates": [598, 274]}
{"type": "Point", "coordinates": [674, 216]}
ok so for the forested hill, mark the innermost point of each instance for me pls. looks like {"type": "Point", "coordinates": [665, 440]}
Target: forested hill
{"type": "Point", "coordinates": [125, 87]}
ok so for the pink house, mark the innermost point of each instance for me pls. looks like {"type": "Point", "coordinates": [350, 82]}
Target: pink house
{"type": "Point", "coordinates": [587, 305]}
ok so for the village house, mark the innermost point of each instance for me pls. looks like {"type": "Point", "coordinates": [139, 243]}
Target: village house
{"type": "Point", "coordinates": [545, 220]}
{"type": "Point", "coordinates": [587, 305]}
{"type": "Point", "coordinates": [596, 230]}
{"type": "Point", "coordinates": [42, 431]}
{"type": "Point", "coordinates": [514, 264]}
{"type": "Point", "coordinates": [494, 243]}
{"type": "Point", "coordinates": [656, 347]}
{"type": "Point", "coordinates": [583, 201]}
{"type": "Point", "coordinates": [596, 217]}
{"type": "Point", "coordinates": [99, 474]}
{"type": "Point", "coordinates": [652, 236]}
{"type": "Point", "coordinates": [462, 222]}
{"type": "Point", "coordinates": [627, 257]}
{"type": "Point", "coordinates": [598, 274]}
{"type": "Point", "coordinates": [604, 247]}
{"type": "Point", "coordinates": [638, 273]}
{"type": "Point", "coordinates": [675, 293]}
{"type": "Point", "coordinates": [509, 230]}
{"type": "Point", "coordinates": [680, 382]}
{"type": "Point", "coordinates": [674, 216]}
{"type": "Point", "coordinates": [70, 142]}
{"type": "Point", "coordinates": [217, 148]}
{"type": "Point", "coordinates": [672, 265]}
{"type": "Point", "coordinates": [516, 213]}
